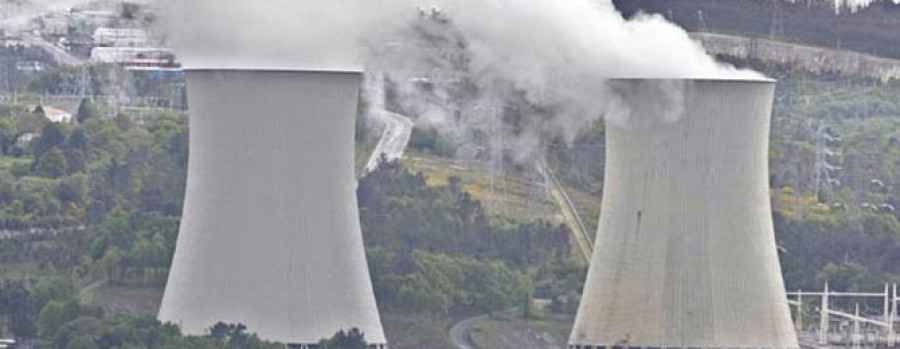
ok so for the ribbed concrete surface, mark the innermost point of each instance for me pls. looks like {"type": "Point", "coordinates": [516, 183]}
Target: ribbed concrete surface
{"type": "Point", "coordinates": [270, 234]}
{"type": "Point", "coordinates": [685, 253]}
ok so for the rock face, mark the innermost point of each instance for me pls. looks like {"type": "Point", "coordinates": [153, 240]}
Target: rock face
{"type": "Point", "coordinates": [270, 233]}
{"type": "Point", "coordinates": [685, 253]}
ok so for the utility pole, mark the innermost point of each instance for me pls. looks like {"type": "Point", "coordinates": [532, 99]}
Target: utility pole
{"type": "Point", "coordinates": [887, 310]}
{"type": "Point", "coordinates": [823, 318]}
{"type": "Point", "coordinates": [85, 89]}
{"type": "Point", "coordinates": [856, 332]}
{"type": "Point", "coordinates": [892, 336]}
{"type": "Point", "coordinates": [799, 323]}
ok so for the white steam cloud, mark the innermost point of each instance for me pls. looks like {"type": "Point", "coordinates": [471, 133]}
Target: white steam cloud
{"type": "Point", "coordinates": [305, 34]}
{"type": "Point", "coordinates": [524, 71]}
{"type": "Point", "coordinates": [15, 14]}
{"type": "Point", "coordinates": [528, 38]}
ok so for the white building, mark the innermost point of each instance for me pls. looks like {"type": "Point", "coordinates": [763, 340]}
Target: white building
{"type": "Point", "coordinates": [57, 115]}
{"type": "Point", "coordinates": [134, 56]}
{"type": "Point", "coordinates": [30, 66]}
{"type": "Point", "coordinates": [121, 37]}
{"type": "Point", "coordinates": [25, 139]}
{"type": "Point", "coordinates": [54, 25]}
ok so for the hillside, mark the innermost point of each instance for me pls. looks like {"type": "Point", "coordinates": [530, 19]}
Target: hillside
{"type": "Point", "coordinates": [449, 236]}
{"type": "Point", "coordinates": [872, 29]}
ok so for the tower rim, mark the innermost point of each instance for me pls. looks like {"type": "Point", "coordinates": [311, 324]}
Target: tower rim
{"type": "Point", "coordinates": [275, 70]}
{"type": "Point", "coordinates": [764, 80]}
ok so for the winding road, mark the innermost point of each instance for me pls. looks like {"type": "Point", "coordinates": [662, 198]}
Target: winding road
{"type": "Point", "coordinates": [459, 332]}
{"type": "Point", "coordinates": [394, 138]}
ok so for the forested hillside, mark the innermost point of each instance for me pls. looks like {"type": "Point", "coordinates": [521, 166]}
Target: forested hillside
{"type": "Point", "coordinates": [872, 29]}
{"type": "Point", "coordinates": [96, 204]}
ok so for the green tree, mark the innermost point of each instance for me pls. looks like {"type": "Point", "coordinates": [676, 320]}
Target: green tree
{"type": "Point", "coordinates": [54, 315]}
{"type": "Point", "coordinates": [86, 110]}
{"type": "Point", "coordinates": [73, 189]}
{"type": "Point", "coordinates": [352, 339]}
{"type": "Point", "coordinates": [52, 136]}
{"type": "Point", "coordinates": [7, 137]}
{"type": "Point", "coordinates": [51, 164]}
{"type": "Point", "coordinates": [219, 332]}
{"type": "Point", "coordinates": [53, 288]}
{"type": "Point", "coordinates": [18, 304]}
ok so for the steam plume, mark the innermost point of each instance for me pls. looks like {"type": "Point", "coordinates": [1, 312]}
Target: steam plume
{"type": "Point", "coordinates": [538, 69]}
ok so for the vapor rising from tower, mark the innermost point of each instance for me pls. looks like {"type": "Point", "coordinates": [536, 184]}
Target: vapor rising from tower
{"type": "Point", "coordinates": [685, 253]}
{"type": "Point", "coordinates": [270, 233]}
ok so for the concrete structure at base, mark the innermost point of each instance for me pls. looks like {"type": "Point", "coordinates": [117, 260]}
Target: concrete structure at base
{"type": "Point", "coordinates": [270, 233]}
{"type": "Point", "coordinates": [685, 253]}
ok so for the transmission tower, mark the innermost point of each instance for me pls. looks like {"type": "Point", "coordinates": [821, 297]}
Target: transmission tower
{"type": "Point", "coordinates": [822, 176]}
{"type": "Point", "coordinates": [777, 28]}
{"type": "Point", "coordinates": [701, 21]}
{"type": "Point", "coordinates": [753, 48]}
{"type": "Point", "coordinates": [85, 88]}
{"type": "Point", "coordinates": [497, 152]}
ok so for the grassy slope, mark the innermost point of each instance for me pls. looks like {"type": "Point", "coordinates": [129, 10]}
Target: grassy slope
{"type": "Point", "coordinates": [415, 332]}
{"type": "Point", "coordinates": [516, 195]}
{"type": "Point", "coordinates": [7, 162]}
{"type": "Point", "coordinates": [550, 331]}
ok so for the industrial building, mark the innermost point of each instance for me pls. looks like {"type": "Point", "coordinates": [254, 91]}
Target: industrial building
{"type": "Point", "coordinates": [121, 37]}
{"type": "Point", "coordinates": [270, 234]}
{"type": "Point", "coordinates": [685, 253]}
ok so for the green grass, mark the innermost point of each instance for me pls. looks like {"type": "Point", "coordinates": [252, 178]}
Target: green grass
{"type": "Point", "coordinates": [127, 299]}
{"type": "Point", "coordinates": [19, 270]}
{"type": "Point", "coordinates": [519, 196]}
{"type": "Point", "coordinates": [502, 332]}
{"type": "Point", "coordinates": [7, 162]}
{"type": "Point", "coordinates": [406, 331]}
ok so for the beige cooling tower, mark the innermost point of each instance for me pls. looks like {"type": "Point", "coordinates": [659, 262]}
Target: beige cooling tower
{"type": "Point", "coordinates": [270, 233]}
{"type": "Point", "coordinates": [685, 253]}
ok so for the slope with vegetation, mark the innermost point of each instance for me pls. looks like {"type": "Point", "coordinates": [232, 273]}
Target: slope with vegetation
{"type": "Point", "coordinates": [441, 244]}
{"type": "Point", "coordinates": [872, 29]}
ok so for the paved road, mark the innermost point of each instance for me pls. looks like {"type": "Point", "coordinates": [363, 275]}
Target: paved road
{"type": "Point", "coordinates": [394, 138]}
{"type": "Point", "coordinates": [93, 286]}
{"type": "Point", "coordinates": [459, 332]}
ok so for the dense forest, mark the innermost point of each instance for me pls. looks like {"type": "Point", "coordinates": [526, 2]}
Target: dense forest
{"type": "Point", "coordinates": [432, 248]}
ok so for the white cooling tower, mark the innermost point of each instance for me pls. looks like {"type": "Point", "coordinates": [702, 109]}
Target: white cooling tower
{"type": "Point", "coordinates": [685, 253]}
{"type": "Point", "coordinates": [270, 233]}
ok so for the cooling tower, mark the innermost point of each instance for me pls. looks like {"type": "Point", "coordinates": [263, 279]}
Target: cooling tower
{"type": "Point", "coordinates": [685, 253]}
{"type": "Point", "coordinates": [270, 233]}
